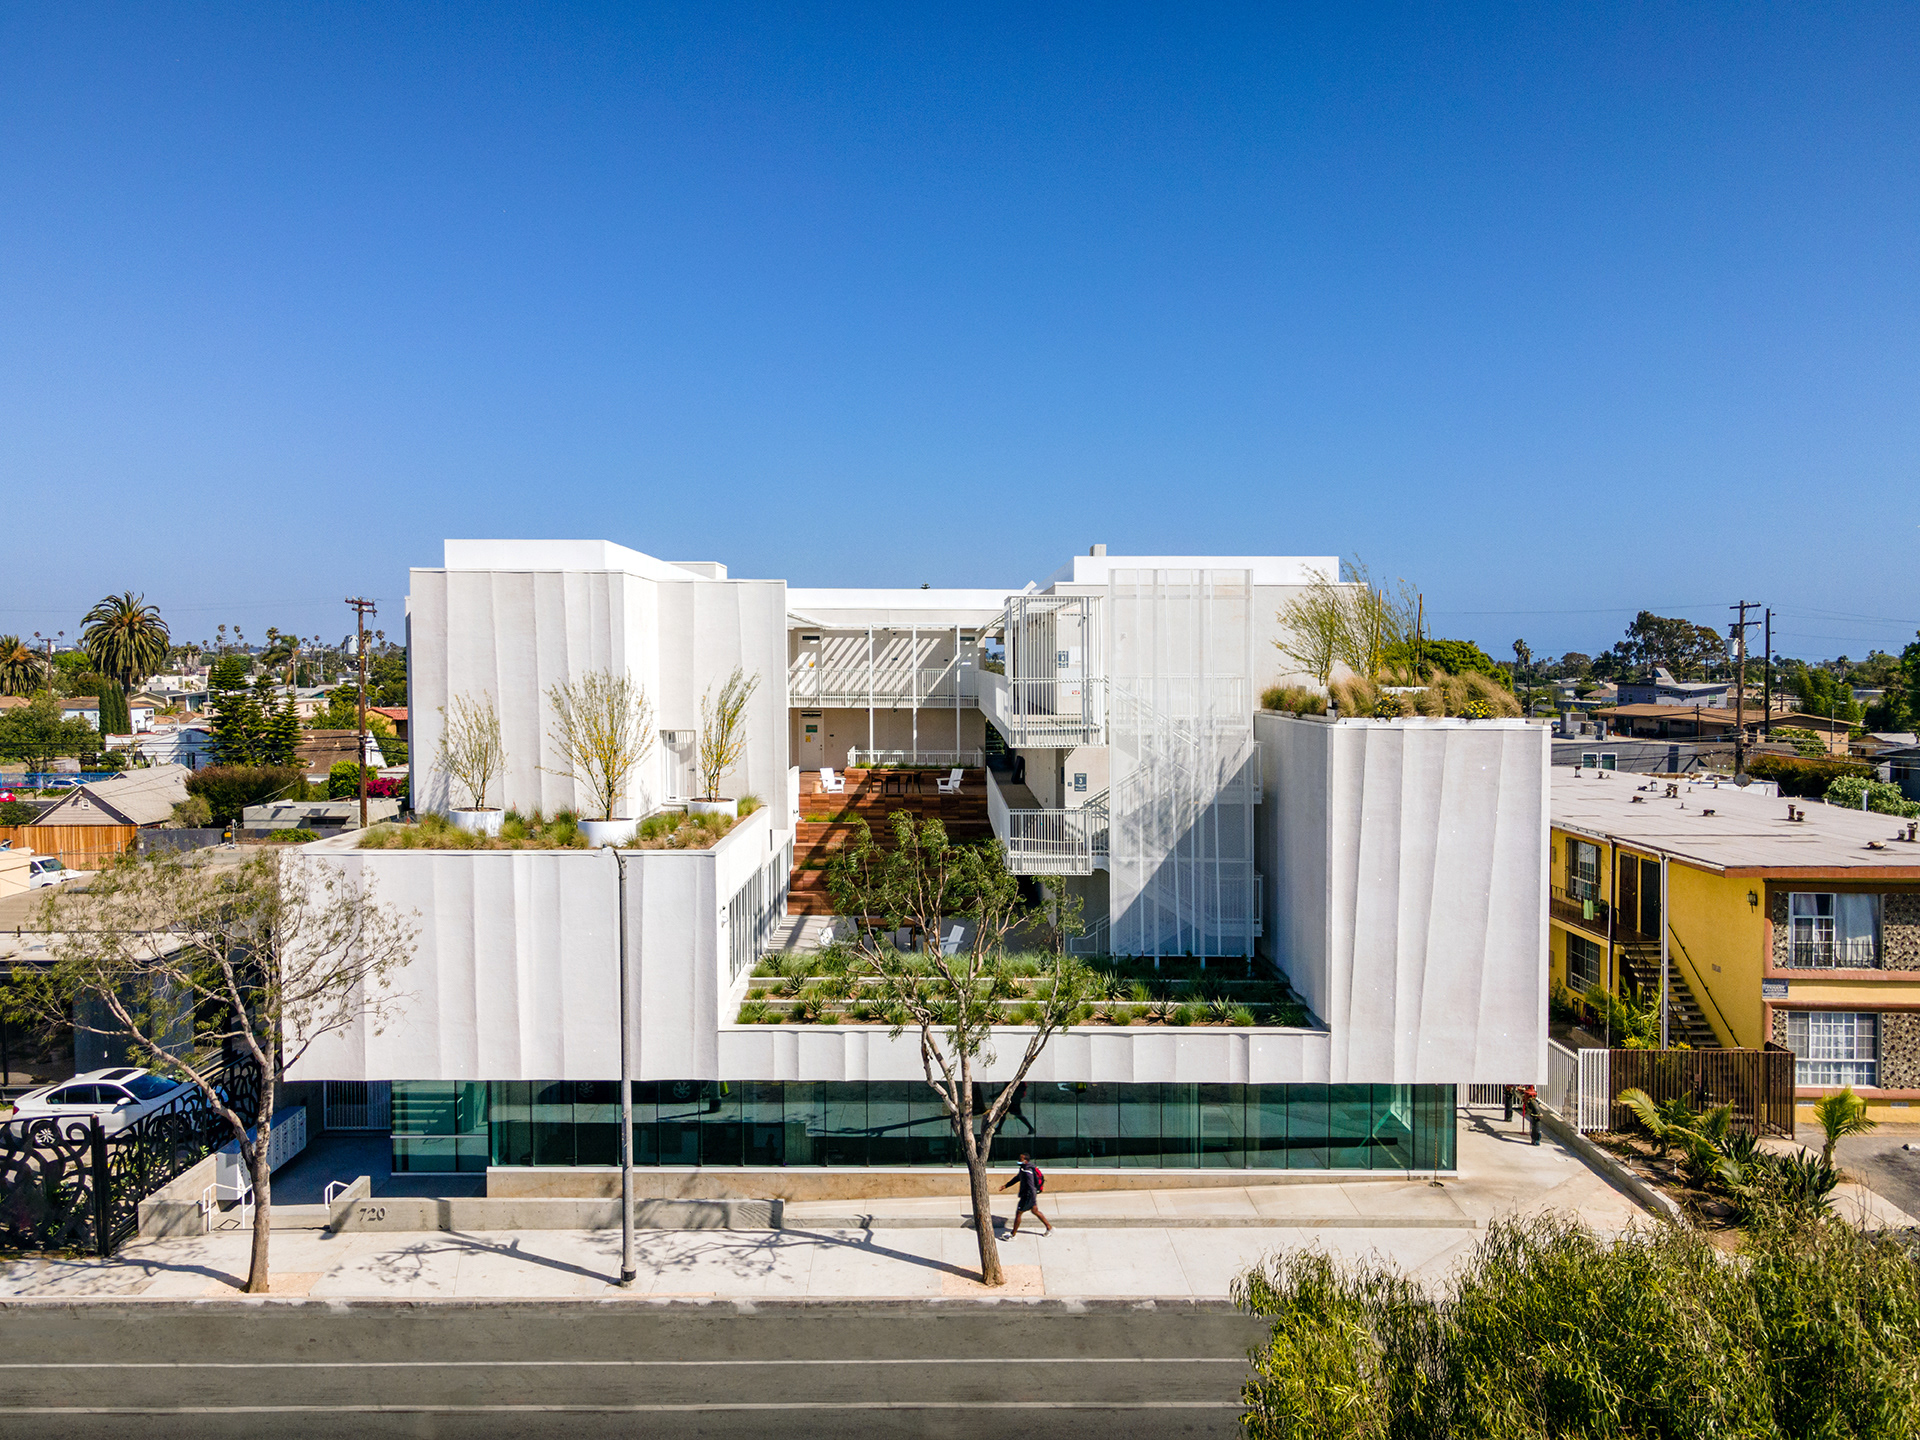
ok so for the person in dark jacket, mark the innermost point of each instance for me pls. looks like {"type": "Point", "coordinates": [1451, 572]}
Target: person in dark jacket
{"type": "Point", "coordinates": [1029, 1197]}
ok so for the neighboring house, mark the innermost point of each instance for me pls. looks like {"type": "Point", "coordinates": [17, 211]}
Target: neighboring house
{"type": "Point", "coordinates": [1661, 722]}
{"type": "Point", "coordinates": [172, 740]}
{"type": "Point", "coordinates": [395, 715]}
{"type": "Point", "coordinates": [1663, 689]}
{"type": "Point", "coordinates": [321, 750]}
{"type": "Point", "coordinates": [323, 816]}
{"type": "Point", "coordinates": [81, 707]}
{"type": "Point", "coordinates": [1646, 757]}
{"type": "Point", "coordinates": [1802, 932]}
{"type": "Point", "coordinates": [1881, 742]}
{"type": "Point", "coordinates": [14, 702]}
{"type": "Point", "coordinates": [1391, 869]}
{"type": "Point", "coordinates": [135, 797]}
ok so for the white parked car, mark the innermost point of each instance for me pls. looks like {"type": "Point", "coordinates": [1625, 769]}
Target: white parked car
{"type": "Point", "coordinates": [119, 1097]}
{"type": "Point", "coordinates": [47, 870]}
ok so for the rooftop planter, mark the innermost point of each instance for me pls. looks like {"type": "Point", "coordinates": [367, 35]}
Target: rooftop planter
{"type": "Point", "coordinates": [665, 830]}
{"type": "Point", "coordinates": [820, 988]}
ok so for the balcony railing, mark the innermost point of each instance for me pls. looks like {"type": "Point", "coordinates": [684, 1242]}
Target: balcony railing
{"type": "Point", "coordinates": [1572, 909]}
{"type": "Point", "coordinates": [1854, 953]}
{"type": "Point", "coordinates": [1049, 842]}
{"type": "Point", "coordinates": [926, 687]}
{"type": "Point", "coordinates": [1046, 714]}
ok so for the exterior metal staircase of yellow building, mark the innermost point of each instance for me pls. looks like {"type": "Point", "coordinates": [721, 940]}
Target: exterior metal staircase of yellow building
{"type": "Point", "coordinates": [1640, 966]}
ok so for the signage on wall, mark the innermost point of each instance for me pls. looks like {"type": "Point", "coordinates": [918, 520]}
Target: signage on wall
{"type": "Point", "coordinates": [1773, 989]}
{"type": "Point", "coordinates": [1080, 782]}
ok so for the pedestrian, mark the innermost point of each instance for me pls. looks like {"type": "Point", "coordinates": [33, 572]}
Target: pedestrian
{"type": "Point", "coordinates": [1032, 1180]}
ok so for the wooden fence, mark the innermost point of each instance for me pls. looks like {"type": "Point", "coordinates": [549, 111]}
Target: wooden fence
{"type": "Point", "coordinates": [1759, 1083]}
{"type": "Point", "coordinates": [80, 847]}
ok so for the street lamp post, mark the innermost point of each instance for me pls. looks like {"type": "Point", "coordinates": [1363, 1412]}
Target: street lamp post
{"type": "Point", "coordinates": [627, 1270]}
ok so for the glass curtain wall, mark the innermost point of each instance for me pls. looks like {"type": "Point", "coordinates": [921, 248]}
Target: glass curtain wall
{"type": "Point", "coordinates": [900, 1123]}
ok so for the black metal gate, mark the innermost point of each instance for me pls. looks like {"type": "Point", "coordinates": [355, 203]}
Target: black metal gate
{"type": "Point", "coordinates": [68, 1185]}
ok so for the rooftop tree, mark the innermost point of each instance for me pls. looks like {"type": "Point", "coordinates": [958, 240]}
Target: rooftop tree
{"type": "Point", "coordinates": [602, 730]}
{"type": "Point", "coordinates": [723, 730]}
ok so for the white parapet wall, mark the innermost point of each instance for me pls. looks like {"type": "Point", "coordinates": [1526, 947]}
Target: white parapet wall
{"type": "Point", "coordinates": [514, 973]}
{"type": "Point", "coordinates": [1406, 872]}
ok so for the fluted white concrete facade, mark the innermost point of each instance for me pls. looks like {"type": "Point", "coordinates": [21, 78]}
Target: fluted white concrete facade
{"type": "Point", "coordinates": [1406, 873]}
{"type": "Point", "coordinates": [508, 620]}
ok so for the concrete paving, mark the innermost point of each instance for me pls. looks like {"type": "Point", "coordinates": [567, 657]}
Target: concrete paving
{"type": "Point", "coordinates": [1142, 1243]}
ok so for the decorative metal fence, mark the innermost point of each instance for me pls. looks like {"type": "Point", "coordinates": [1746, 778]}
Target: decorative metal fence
{"type": "Point", "coordinates": [69, 1185]}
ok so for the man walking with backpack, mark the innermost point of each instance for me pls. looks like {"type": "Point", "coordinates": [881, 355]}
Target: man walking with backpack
{"type": "Point", "coordinates": [1032, 1180]}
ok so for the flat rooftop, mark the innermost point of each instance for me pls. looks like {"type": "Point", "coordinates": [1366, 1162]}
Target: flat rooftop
{"type": "Point", "coordinates": [1722, 827]}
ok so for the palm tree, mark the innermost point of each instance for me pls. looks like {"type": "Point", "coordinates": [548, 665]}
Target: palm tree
{"type": "Point", "coordinates": [1841, 1113]}
{"type": "Point", "coordinates": [23, 669]}
{"type": "Point", "coordinates": [126, 638]}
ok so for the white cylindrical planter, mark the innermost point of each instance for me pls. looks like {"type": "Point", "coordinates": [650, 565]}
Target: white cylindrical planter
{"type": "Point", "coordinates": [480, 822]}
{"type": "Point", "coordinates": [714, 807]}
{"type": "Point", "coordinates": [608, 832]}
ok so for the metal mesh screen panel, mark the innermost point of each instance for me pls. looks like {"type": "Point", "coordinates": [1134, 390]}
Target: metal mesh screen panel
{"type": "Point", "coordinates": [1180, 719]}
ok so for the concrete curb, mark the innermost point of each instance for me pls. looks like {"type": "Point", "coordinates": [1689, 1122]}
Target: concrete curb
{"type": "Point", "coordinates": [1141, 1222]}
{"type": "Point", "coordinates": [1605, 1165]}
{"type": "Point", "coordinates": [412, 1214]}
{"type": "Point", "coordinates": [1064, 1305]}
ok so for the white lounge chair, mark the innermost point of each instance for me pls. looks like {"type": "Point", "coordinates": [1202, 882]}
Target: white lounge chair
{"type": "Point", "coordinates": [830, 783]}
{"type": "Point", "coordinates": [951, 785]}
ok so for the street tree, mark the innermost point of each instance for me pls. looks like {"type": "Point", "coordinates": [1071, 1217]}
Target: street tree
{"type": "Point", "coordinates": [264, 957]}
{"type": "Point", "coordinates": [125, 638]}
{"type": "Point", "coordinates": [952, 1000]}
{"type": "Point", "coordinates": [602, 730]}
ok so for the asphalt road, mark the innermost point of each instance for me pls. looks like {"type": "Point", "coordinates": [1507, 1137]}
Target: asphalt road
{"type": "Point", "coordinates": [852, 1370]}
{"type": "Point", "coordinates": [1879, 1160]}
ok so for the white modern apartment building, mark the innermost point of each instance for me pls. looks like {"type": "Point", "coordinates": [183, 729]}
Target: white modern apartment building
{"type": "Point", "coordinates": [1393, 871]}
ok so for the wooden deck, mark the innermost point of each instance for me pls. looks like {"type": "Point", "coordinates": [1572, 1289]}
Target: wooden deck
{"type": "Point", "coordinates": [828, 823]}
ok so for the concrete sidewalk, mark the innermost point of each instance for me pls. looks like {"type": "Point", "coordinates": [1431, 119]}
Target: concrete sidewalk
{"type": "Point", "coordinates": [1142, 1243]}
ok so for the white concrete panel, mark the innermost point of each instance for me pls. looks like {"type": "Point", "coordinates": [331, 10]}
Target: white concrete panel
{"type": "Point", "coordinates": [1432, 867]}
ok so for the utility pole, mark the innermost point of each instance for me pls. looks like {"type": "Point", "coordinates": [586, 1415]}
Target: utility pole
{"type": "Point", "coordinates": [1739, 628]}
{"type": "Point", "coordinates": [362, 608]}
{"type": "Point", "coordinates": [1766, 724]}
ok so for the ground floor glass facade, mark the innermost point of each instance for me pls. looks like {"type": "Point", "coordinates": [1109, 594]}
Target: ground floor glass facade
{"type": "Point", "coordinates": [468, 1125]}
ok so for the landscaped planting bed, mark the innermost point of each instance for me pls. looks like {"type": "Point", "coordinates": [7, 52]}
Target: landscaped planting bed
{"type": "Point", "coordinates": [827, 987]}
{"type": "Point", "coordinates": [667, 830]}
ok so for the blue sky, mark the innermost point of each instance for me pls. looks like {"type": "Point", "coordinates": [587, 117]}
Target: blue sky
{"type": "Point", "coordinates": [1557, 311]}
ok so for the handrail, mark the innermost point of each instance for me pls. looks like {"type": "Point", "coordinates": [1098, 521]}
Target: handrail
{"type": "Point", "coordinates": [1700, 986]}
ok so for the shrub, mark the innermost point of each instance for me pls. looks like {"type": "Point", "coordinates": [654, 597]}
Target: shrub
{"type": "Point", "coordinates": [749, 804]}
{"type": "Point", "coordinates": [1804, 778]}
{"type": "Point", "coordinates": [298, 835]}
{"type": "Point", "coordinates": [1818, 1333]}
{"type": "Point", "coordinates": [1182, 1015]}
{"type": "Point", "coordinates": [1295, 698]}
{"type": "Point", "coordinates": [1882, 797]}
{"type": "Point", "coordinates": [20, 812]}
{"type": "Point", "coordinates": [229, 789]}
{"type": "Point", "coordinates": [1241, 1015]}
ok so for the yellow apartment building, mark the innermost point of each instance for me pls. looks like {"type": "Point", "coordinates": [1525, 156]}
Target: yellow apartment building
{"type": "Point", "coordinates": [1784, 921]}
